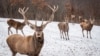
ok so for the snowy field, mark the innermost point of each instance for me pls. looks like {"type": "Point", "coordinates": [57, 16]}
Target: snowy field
{"type": "Point", "coordinates": [53, 44]}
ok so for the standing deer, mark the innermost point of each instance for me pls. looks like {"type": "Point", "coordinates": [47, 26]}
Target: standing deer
{"type": "Point", "coordinates": [16, 24]}
{"type": "Point", "coordinates": [87, 25]}
{"type": "Point", "coordinates": [73, 18]}
{"type": "Point", "coordinates": [64, 29]}
{"type": "Point", "coordinates": [30, 45]}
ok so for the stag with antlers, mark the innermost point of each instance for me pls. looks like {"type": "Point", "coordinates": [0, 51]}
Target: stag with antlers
{"type": "Point", "coordinates": [16, 24]}
{"type": "Point", "coordinates": [86, 25]}
{"type": "Point", "coordinates": [64, 29]}
{"type": "Point", "coordinates": [30, 45]}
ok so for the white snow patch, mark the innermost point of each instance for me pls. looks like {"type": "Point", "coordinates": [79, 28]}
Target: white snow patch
{"type": "Point", "coordinates": [54, 45]}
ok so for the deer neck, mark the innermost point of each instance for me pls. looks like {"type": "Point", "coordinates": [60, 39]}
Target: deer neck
{"type": "Point", "coordinates": [24, 22]}
{"type": "Point", "coordinates": [38, 42]}
{"type": "Point", "coordinates": [25, 19]}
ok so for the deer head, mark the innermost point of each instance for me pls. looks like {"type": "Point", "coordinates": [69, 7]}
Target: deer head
{"type": "Point", "coordinates": [72, 16]}
{"type": "Point", "coordinates": [66, 18]}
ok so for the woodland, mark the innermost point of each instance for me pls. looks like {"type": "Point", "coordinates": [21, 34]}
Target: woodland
{"type": "Point", "coordinates": [38, 9]}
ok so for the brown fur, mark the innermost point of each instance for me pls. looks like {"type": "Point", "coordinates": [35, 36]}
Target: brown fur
{"type": "Point", "coordinates": [29, 45]}
{"type": "Point", "coordinates": [15, 24]}
{"type": "Point", "coordinates": [63, 27]}
{"type": "Point", "coordinates": [86, 25]}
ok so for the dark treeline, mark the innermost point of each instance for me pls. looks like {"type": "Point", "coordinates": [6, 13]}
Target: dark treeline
{"type": "Point", "coordinates": [38, 8]}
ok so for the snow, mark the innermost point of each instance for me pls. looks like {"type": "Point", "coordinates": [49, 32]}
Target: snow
{"type": "Point", "coordinates": [53, 44]}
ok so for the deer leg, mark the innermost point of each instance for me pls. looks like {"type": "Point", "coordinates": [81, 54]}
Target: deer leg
{"type": "Point", "coordinates": [22, 32]}
{"type": "Point", "coordinates": [17, 31]}
{"type": "Point", "coordinates": [9, 30]}
{"type": "Point", "coordinates": [65, 35]}
{"type": "Point", "coordinates": [83, 32]}
{"type": "Point", "coordinates": [68, 35]}
{"type": "Point", "coordinates": [61, 34]}
{"type": "Point", "coordinates": [87, 34]}
{"type": "Point", "coordinates": [90, 34]}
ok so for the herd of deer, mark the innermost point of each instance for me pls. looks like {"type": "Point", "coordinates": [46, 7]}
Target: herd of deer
{"type": "Point", "coordinates": [31, 45]}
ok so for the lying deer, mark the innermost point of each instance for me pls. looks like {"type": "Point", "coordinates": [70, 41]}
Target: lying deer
{"type": "Point", "coordinates": [16, 24]}
{"type": "Point", "coordinates": [30, 45]}
{"type": "Point", "coordinates": [64, 29]}
{"type": "Point", "coordinates": [87, 25]}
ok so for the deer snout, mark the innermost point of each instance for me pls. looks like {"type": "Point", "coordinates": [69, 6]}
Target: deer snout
{"type": "Point", "coordinates": [38, 34]}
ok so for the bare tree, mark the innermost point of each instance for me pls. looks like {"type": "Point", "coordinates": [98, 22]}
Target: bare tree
{"type": "Point", "coordinates": [64, 29]}
{"type": "Point", "coordinates": [16, 24]}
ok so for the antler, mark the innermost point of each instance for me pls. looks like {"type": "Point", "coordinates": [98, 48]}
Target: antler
{"type": "Point", "coordinates": [54, 9]}
{"type": "Point", "coordinates": [22, 11]}
{"type": "Point", "coordinates": [91, 20]}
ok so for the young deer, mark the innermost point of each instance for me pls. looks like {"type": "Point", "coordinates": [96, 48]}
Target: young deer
{"type": "Point", "coordinates": [87, 25]}
{"type": "Point", "coordinates": [16, 24]}
{"type": "Point", "coordinates": [30, 45]}
{"type": "Point", "coordinates": [64, 27]}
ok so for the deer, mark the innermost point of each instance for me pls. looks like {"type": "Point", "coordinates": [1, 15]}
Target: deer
{"type": "Point", "coordinates": [86, 25]}
{"type": "Point", "coordinates": [30, 45]}
{"type": "Point", "coordinates": [16, 24]}
{"type": "Point", "coordinates": [73, 18]}
{"type": "Point", "coordinates": [64, 29]}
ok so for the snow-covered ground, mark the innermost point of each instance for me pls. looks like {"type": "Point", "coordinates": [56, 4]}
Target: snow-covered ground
{"type": "Point", "coordinates": [54, 45]}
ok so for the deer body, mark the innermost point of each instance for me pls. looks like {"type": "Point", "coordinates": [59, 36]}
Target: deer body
{"type": "Point", "coordinates": [87, 25]}
{"type": "Point", "coordinates": [63, 26]}
{"type": "Point", "coordinates": [29, 45]}
{"type": "Point", "coordinates": [15, 24]}
{"type": "Point", "coordinates": [64, 29]}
